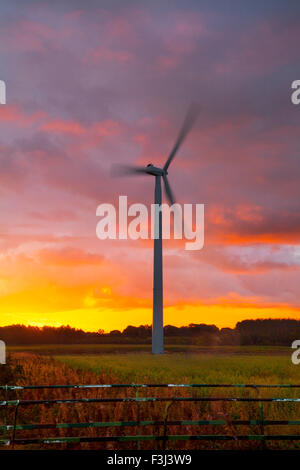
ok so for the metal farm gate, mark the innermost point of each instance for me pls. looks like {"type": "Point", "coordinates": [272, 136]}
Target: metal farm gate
{"type": "Point", "coordinates": [13, 425]}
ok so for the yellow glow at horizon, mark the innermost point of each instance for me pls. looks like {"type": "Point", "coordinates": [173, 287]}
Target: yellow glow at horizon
{"type": "Point", "coordinates": [93, 319]}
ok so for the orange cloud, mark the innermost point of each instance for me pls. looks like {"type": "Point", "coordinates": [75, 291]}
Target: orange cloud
{"type": "Point", "coordinates": [74, 128]}
{"type": "Point", "coordinates": [69, 257]}
{"type": "Point", "coordinates": [64, 127]}
{"type": "Point", "coordinates": [15, 115]}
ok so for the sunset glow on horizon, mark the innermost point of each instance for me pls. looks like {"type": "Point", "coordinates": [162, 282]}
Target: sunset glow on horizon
{"type": "Point", "coordinates": [94, 320]}
{"type": "Point", "coordinates": [90, 88]}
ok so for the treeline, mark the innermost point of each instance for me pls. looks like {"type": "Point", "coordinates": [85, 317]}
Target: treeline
{"type": "Point", "coordinates": [248, 332]}
{"type": "Point", "coordinates": [265, 332]}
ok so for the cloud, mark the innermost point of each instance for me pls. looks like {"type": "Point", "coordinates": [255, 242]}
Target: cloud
{"type": "Point", "coordinates": [65, 127]}
{"type": "Point", "coordinates": [69, 256]}
{"type": "Point", "coordinates": [108, 84]}
{"type": "Point", "coordinates": [253, 259]}
{"type": "Point", "coordinates": [15, 115]}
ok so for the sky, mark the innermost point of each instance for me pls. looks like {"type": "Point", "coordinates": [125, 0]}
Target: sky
{"type": "Point", "coordinates": [97, 83]}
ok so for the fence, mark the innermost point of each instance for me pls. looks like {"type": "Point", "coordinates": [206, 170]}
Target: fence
{"type": "Point", "coordinates": [9, 431]}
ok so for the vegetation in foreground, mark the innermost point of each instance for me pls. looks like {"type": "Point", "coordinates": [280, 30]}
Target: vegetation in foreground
{"type": "Point", "coordinates": [143, 368]}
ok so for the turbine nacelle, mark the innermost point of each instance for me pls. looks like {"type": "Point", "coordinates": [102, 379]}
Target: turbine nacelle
{"type": "Point", "coordinates": [154, 170]}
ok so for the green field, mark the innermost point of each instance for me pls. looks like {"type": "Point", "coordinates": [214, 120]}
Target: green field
{"type": "Point", "coordinates": [208, 367]}
{"type": "Point", "coordinates": [189, 364]}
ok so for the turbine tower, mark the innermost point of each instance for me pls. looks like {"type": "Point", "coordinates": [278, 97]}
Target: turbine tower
{"type": "Point", "coordinates": [160, 173]}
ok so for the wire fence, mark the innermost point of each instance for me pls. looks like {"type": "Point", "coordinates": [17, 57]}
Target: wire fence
{"type": "Point", "coordinates": [12, 408]}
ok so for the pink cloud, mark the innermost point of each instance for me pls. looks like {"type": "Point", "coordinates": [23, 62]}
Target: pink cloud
{"type": "Point", "coordinates": [16, 115]}
{"type": "Point", "coordinates": [105, 54]}
{"type": "Point", "coordinates": [64, 127]}
{"type": "Point", "coordinates": [27, 35]}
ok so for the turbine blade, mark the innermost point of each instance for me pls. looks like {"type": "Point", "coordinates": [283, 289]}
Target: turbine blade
{"type": "Point", "coordinates": [168, 190]}
{"type": "Point", "coordinates": [186, 127]}
{"type": "Point", "coordinates": [125, 170]}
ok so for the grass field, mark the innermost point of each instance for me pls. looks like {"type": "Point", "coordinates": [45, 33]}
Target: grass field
{"type": "Point", "coordinates": [193, 364]}
{"type": "Point", "coordinates": [87, 364]}
{"type": "Point", "coordinates": [207, 367]}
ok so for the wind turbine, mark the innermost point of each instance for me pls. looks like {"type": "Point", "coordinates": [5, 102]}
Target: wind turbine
{"type": "Point", "coordinates": [160, 173]}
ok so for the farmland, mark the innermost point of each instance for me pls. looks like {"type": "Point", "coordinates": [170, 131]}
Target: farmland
{"type": "Point", "coordinates": [111, 364]}
{"type": "Point", "coordinates": [232, 366]}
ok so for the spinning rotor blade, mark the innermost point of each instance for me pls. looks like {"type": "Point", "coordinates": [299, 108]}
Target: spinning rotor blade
{"type": "Point", "coordinates": [186, 127]}
{"type": "Point", "coordinates": [168, 190]}
{"type": "Point", "coordinates": [125, 170]}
